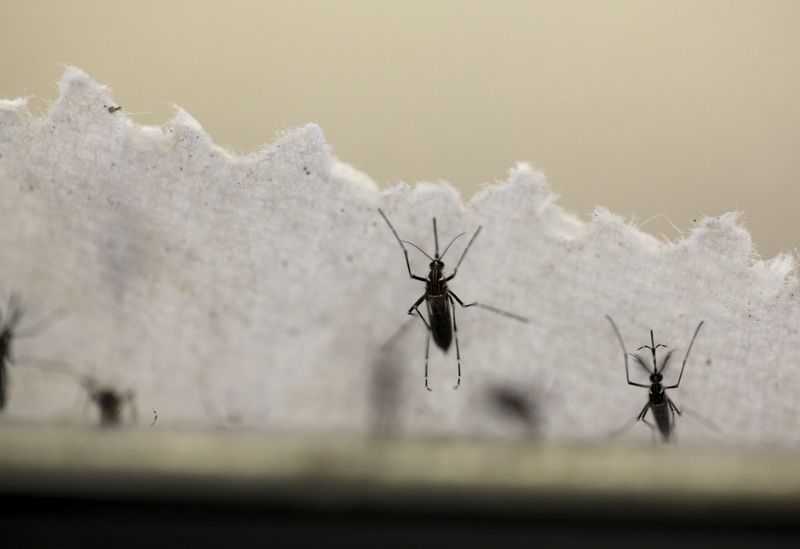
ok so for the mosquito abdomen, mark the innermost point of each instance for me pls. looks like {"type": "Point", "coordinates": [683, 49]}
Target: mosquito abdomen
{"type": "Point", "coordinates": [663, 418]}
{"type": "Point", "coordinates": [441, 323]}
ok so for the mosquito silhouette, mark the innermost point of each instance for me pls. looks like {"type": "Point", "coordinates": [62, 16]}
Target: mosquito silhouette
{"type": "Point", "coordinates": [439, 299]}
{"type": "Point", "coordinates": [661, 406]}
{"type": "Point", "coordinates": [110, 402]}
{"type": "Point", "coordinates": [9, 333]}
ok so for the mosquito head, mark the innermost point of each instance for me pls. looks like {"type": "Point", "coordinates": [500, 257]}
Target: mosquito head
{"type": "Point", "coordinates": [656, 378]}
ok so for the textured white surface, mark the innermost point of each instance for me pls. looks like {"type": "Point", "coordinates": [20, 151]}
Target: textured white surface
{"type": "Point", "coordinates": [257, 291]}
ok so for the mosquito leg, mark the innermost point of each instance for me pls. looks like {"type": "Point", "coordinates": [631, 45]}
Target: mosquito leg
{"type": "Point", "coordinates": [416, 304]}
{"type": "Point", "coordinates": [653, 434]}
{"type": "Point", "coordinates": [48, 320]}
{"type": "Point", "coordinates": [458, 350]}
{"type": "Point", "coordinates": [674, 407]}
{"type": "Point", "coordinates": [651, 425]}
{"type": "Point", "coordinates": [622, 429]}
{"type": "Point", "coordinates": [405, 252]}
{"type": "Point", "coordinates": [427, 349]}
{"type": "Point", "coordinates": [489, 308]}
{"type": "Point", "coordinates": [653, 431]}
{"type": "Point", "coordinates": [2, 385]}
{"type": "Point", "coordinates": [422, 318]}
{"type": "Point", "coordinates": [702, 419]}
{"type": "Point", "coordinates": [87, 400]}
{"type": "Point", "coordinates": [129, 399]}
{"type": "Point", "coordinates": [626, 353]}
{"type": "Point", "coordinates": [415, 308]}
{"type": "Point", "coordinates": [396, 335]}
{"type": "Point", "coordinates": [686, 357]}
{"type": "Point", "coordinates": [641, 415]}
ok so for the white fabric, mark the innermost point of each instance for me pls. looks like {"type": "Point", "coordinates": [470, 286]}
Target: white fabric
{"type": "Point", "coordinates": [256, 291]}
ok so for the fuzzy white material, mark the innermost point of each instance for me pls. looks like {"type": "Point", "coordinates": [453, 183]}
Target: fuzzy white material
{"type": "Point", "coordinates": [257, 291]}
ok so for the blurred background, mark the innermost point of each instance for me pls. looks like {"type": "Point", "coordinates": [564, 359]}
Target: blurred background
{"type": "Point", "coordinates": [648, 107]}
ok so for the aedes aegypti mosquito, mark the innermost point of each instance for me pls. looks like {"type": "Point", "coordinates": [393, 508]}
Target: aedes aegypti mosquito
{"type": "Point", "coordinates": [8, 333]}
{"type": "Point", "coordinates": [109, 402]}
{"type": "Point", "coordinates": [662, 407]}
{"type": "Point", "coordinates": [439, 299]}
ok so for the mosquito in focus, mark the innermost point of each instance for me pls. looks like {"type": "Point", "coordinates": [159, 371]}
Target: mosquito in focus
{"type": "Point", "coordinates": [661, 406]}
{"type": "Point", "coordinates": [9, 332]}
{"type": "Point", "coordinates": [439, 299]}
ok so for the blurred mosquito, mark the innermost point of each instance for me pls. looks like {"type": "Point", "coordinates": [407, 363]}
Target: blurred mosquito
{"type": "Point", "coordinates": [9, 332]}
{"type": "Point", "coordinates": [514, 404]}
{"type": "Point", "coordinates": [661, 406]}
{"type": "Point", "coordinates": [439, 299]}
{"type": "Point", "coordinates": [110, 402]}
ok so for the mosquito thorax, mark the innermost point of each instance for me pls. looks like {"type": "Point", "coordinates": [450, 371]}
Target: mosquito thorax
{"type": "Point", "coordinates": [107, 399]}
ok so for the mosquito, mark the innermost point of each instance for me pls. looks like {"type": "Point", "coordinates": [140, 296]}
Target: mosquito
{"type": "Point", "coordinates": [514, 404]}
{"type": "Point", "coordinates": [110, 402]}
{"type": "Point", "coordinates": [661, 406]}
{"type": "Point", "coordinates": [439, 299]}
{"type": "Point", "coordinates": [9, 333]}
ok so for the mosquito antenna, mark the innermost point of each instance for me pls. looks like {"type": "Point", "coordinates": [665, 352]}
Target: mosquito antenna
{"type": "Point", "coordinates": [463, 255]}
{"type": "Point", "coordinates": [451, 243]}
{"type": "Point", "coordinates": [436, 237]}
{"type": "Point", "coordinates": [383, 215]}
{"type": "Point", "coordinates": [652, 347]}
{"type": "Point", "coordinates": [45, 322]}
{"type": "Point", "coordinates": [685, 358]}
{"type": "Point", "coordinates": [417, 247]}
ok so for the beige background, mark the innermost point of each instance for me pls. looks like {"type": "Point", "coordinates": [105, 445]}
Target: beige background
{"type": "Point", "coordinates": [648, 107]}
